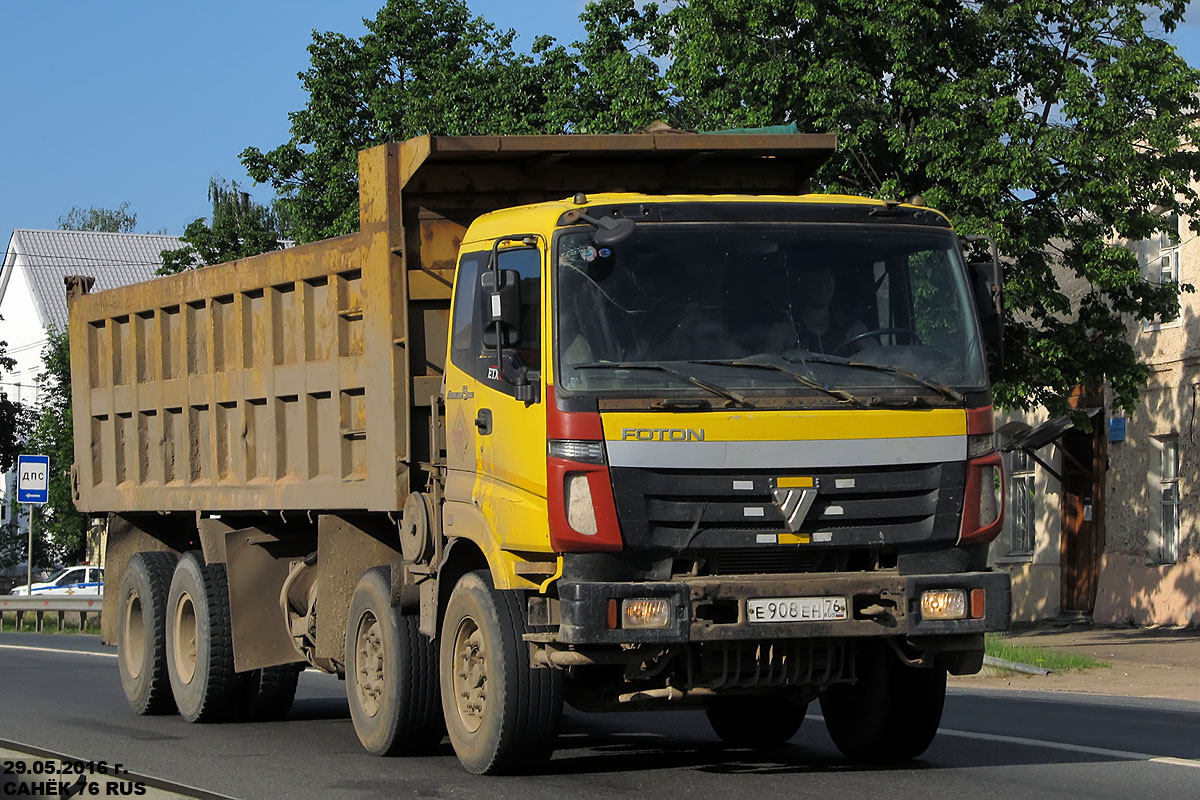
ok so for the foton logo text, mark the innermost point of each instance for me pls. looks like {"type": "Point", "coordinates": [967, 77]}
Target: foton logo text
{"type": "Point", "coordinates": [663, 434]}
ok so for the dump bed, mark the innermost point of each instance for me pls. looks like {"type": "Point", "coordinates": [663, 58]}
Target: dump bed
{"type": "Point", "coordinates": [303, 378]}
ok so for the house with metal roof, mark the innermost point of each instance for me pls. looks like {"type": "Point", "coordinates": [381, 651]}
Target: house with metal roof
{"type": "Point", "coordinates": [33, 298]}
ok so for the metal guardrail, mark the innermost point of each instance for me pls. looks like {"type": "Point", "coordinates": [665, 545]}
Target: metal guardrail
{"type": "Point", "coordinates": [59, 605]}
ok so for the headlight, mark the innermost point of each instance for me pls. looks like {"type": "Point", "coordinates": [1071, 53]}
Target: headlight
{"type": "Point", "coordinates": [989, 506]}
{"type": "Point", "coordinates": [944, 604]}
{"type": "Point", "coordinates": [581, 512]}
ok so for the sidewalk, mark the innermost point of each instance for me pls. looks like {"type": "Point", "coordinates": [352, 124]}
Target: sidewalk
{"type": "Point", "coordinates": [1146, 662]}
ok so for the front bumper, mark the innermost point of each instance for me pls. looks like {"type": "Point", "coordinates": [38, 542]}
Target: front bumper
{"type": "Point", "coordinates": [713, 609]}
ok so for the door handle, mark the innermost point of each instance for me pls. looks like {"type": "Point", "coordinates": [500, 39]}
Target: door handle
{"type": "Point", "coordinates": [483, 421]}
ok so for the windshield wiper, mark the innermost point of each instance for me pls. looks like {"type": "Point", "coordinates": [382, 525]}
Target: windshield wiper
{"type": "Point", "coordinates": [728, 394]}
{"type": "Point", "coordinates": [940, 388]}
{"type": "Point", "coordinates": [782, 365]}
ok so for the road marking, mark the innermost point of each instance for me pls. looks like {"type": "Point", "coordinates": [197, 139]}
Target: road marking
{"type": "Point", "coordinates": [1074, 748]}
{"type": "Point", "coordinates": [55, 650]}
{"type": "Point", "coordinates": [1124, 755]}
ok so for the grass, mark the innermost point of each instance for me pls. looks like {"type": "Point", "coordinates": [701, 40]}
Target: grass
{"type": "Point", "coordinates": [998, 646]}
{"type": "Point", "coordinates": [8, 624]}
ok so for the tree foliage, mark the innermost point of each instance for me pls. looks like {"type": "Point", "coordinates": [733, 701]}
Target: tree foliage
{"type": "Point", "coordinates": [239, 227]}
{"type": "Point", "coordinates": [105, 220]}
{"type": "Point", "coordinates": [50, 433]}
{"type": "Point", "coordinates": [429, 66]}
{"type": "Point", "coordinates": [1057, 128]}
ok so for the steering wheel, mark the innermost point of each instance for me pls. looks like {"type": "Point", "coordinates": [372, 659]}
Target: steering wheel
{"type": "Point", "coordinates": [913, 337]}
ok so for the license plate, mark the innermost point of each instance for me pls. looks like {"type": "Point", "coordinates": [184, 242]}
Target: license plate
{"type": "Point", "coordinates": [795, 609]}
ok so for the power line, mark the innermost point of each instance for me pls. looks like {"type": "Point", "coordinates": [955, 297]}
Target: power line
{"type": "Point", "coordinates": [101, 259]}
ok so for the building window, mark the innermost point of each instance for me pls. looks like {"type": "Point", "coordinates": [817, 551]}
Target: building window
{"type": "Point", "coordinates": [1162, 266]}
{"type": "Point", "coordinates": [1024, 530]}
{"type": "Point", "coordinates": [1168, 481]}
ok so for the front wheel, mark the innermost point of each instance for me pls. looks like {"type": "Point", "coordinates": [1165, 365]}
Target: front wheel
{"type": "Point", "coordinates": [890, 714]}
{"type": "Point", "coordinates": [754, 722]}
{"type": "Point", "coordinates": [502, 715]}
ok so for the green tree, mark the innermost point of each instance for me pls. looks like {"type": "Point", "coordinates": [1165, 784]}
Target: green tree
{"type": "Point", "coordinates": [239, 228]}
{"type": "Point", "coordinates": [50, 433]}
{"type": "Point", "coordinates": [423, 66]}
{"type": "Point", "coordinates": [106, 220]}
{"type": "Point", "coordinates": [1057, 128]}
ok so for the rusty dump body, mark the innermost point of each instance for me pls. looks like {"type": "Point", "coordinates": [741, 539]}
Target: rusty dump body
{"type": "Point", "coordinates": [302, 379]}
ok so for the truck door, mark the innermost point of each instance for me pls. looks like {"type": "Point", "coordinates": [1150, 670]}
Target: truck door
{"type": "Point", "coordinates": [466, 344]}
{"type": "Point", "coordinates": [511, 490]}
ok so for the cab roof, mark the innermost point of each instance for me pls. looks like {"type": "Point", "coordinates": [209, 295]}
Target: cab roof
{"type": "Point", "coordinates": [536, 217]}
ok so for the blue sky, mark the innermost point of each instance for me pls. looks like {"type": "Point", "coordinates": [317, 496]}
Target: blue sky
{"type": "Point", "coordinates": [143, 101]}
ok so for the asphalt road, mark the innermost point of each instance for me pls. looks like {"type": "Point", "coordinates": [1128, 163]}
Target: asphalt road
{"type": "Point", "coordinates": [62, 693]}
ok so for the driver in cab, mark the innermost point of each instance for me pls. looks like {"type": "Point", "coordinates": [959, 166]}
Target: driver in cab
{"type": "Point", "coordinates": [820, 328]}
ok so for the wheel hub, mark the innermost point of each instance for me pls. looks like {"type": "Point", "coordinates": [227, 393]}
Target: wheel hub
{"type": "Point", "coordinates": [133, 643]}
{"type": "Point", "coordinates": [470, 674]}
{"type": "Point", "coordinates": [185, 638]}
{"type": "Point", "coordinates": [369, 664]}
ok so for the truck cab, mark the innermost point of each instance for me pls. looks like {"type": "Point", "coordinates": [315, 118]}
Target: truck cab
{"type": "Point", "coordinates": [746, 440]}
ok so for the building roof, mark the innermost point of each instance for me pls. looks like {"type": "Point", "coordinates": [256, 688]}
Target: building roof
{"type": "Point", "coordinates": [113, 259]}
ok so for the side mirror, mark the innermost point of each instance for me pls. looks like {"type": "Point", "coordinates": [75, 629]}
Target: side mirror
{"type": "Point", "coordinates": [989, 304]}
{"type": "Point", "coordinates": [501, 294]}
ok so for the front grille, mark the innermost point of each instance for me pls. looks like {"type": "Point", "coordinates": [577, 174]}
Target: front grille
{"type": "Point", "coordinates": [782, 561]}
{"type": "Point", "coordinates": [786, 663]}
{"type": "Point", "coordinates": [683, 511]}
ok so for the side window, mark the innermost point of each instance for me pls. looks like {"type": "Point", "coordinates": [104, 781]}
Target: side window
{"type": "Point", "coordinates": [465, 340]}
{"type": "Point", "coordinates": [69, 578]}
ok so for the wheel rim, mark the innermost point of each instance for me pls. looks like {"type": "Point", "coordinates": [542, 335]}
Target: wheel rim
{"type": "Point", "coordinates": [470, 675]}
{"type": "Point", "coordinates": [133, 643]}
{"type": "Point", "coordinates": [184, 639]}
{"type": "Point", "coordinates": [369, 664]}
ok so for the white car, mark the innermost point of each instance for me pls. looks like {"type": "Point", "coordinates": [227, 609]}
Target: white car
{"type": "Point", "coordinates": [82, 580]}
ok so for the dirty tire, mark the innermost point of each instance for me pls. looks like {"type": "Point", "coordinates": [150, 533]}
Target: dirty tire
{"type": "Point", "coordinates": [891, 714]}
{"type": "Point", "coordinates": [200, 643]}
{"type": "Point", "coordinates": [391, 673]}
{"type": "Point", "coordinates": [269, 692]}
{"type": "Point", "coordinates": [751, 722]}
{"type": "Point", "coordinates": [142, 633]}
{"type": "Point", "coordinates": [508, 721]}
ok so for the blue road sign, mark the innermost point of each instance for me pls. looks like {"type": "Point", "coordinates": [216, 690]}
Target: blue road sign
{"type": "Point", "coordinates": [33, 479]}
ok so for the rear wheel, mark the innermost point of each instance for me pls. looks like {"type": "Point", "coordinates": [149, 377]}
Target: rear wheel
{"type": "Point", "coordinates": [756, 722]}
{"type": "Point", "coordinates": [890, 714]}
{"type": "Point", "coordinates": [200, 643]}
{"type": "Point", "coordinates": [502, 715]}
{"type": "Point", "coordinates": [142, 633]}
{"type": "Point", "coordinates": [391, 673]}
{"type": "Point", "coordinates": [270, 691]}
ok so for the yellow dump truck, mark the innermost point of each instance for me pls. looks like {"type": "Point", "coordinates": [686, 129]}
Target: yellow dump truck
{"type": "Point", "coordinates": [617, 421]}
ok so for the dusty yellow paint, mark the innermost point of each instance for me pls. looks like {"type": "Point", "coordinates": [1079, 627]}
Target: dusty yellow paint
{"type": "Point", "coordinates": [774, 426]}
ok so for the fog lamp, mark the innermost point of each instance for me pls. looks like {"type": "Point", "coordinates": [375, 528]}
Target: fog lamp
{"type": "Point", "coordinates": [645, 612]}
{"type": "Point", "coordinates": [944, 604]}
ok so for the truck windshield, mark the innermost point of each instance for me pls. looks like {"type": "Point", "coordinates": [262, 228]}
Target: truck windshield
{"type": "Point", "coordinates": [823, 298]}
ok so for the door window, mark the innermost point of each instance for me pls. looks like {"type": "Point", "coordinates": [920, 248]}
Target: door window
{"type": "Point", "coordinates": [466, 339]}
